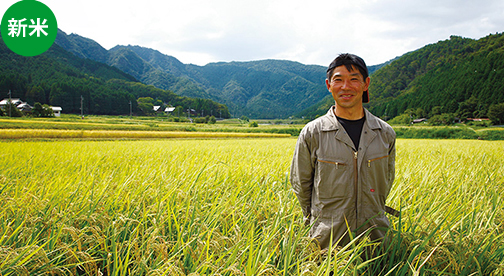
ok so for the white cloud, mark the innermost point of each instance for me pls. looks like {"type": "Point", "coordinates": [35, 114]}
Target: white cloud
{"type": "Point", "coordinates": [311, 32]}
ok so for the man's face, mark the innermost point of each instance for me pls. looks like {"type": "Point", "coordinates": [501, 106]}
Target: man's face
{"type": "Point", "coordinates": [347, 87]}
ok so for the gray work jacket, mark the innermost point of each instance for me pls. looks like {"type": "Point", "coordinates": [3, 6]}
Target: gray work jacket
{"type": "Point", "coordinates": [335, 182]}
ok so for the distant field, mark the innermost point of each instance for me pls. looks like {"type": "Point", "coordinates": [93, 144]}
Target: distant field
{"type": "Point", "coordinates": [224, 207]}
{"type": "Point", "coordinates": [145, 124]}
{"type": "Point", "coordinates": [153, 127]}
{"type": "Point", "coordinates": [124, 134]}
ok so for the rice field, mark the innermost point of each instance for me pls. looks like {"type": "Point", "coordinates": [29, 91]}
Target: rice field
{"type": "Point", "coordinates": [120, 134]}
{"type": "Point", "coordinates": [224, 207]}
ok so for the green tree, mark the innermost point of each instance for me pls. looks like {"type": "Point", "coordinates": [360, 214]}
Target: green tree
{"type": "Point", "coordinates": [179, 111]}
{"type": "Point", "coordinates": [212, 120]}
{"type": "Point", "coordinates": [467, 108]}
{"type": "Point", "coordinates": [36, 94]}
{"type": "Point", "coordinates": [496, 113]}
{"type": "Point", "coordinates": [146, 105]}
{"type": "Point", "coordinates": [403, 119]}
{"type": "Point", "coordinates": [437, 110]}
{"type": "Point", "coordinates": [443, 119]}
{"type": "Point", "coordinates": [11, 109]}
{"type": "Point", "coordinates": [40, 110]}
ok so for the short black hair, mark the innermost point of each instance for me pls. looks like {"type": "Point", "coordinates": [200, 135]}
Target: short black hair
{"type": "Point", "coordinates": [350, 61]}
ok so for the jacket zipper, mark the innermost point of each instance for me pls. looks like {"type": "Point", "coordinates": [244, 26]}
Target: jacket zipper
{"type": "Point", "coordinates": [334, 163]}
{"type": "Point", "coordinates": [356, 184]}
{"type": "Point", "coordinates": [374, 159]}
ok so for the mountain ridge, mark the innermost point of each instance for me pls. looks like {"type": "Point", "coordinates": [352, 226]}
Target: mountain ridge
{"type": "Point", "coordinates": [458, 77]}
{"type": "Point", "coordinates": [258, 89]}
{"type": "Point", "coordinates": [79, 84]}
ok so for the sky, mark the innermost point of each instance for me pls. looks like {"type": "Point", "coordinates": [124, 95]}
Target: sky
{"type": "Point", "coordinates": [309, 31]}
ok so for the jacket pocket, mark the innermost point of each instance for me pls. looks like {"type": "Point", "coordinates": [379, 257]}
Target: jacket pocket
{"type": "Point", "coordinates": [376, 173]}
{"type": "Point", "coordinates": [333, 179]}
{"type": "Point", "coordinates": [369, 161]}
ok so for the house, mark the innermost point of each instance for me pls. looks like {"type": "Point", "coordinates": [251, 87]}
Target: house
{"type": "Point", "coordinates": [422, 120]}
{"type": "Point", "coordinates": [156, 108]}
{"type": "Point", "coordinates": [21, 106]}
{"type": "Point", "coordinates": [192, 112]}
{"type": "Point", "coordinates": [478, 119]}
{"type": "Point", "coordinates": [15, 102]}
{"type": "Point", "coordinates": [57, 110]}
{"type": "Point", "coordinates": [24, 107]}
{"type": "Point", "coordinates": [169, 109]}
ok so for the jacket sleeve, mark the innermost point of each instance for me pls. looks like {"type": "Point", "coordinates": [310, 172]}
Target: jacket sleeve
{"type": "Point", "coordinates": [302, 171]}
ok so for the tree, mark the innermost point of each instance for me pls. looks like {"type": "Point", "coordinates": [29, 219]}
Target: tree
{"type": "Point", "coordinates": [436, 110]}
{"type": "Point", "coordinates": [36, 94]}
{"type": "Point", "coordinates": [496, 113]}
{"type": "Point", "coordinates": [443, 119]}
{"type": "Point", "coordinates": [179, 110]}
{"type": "Point", "coordinates": [467, 108]}
{"type": "Point", "coordinates": [403, 119]}
{"type": "Point", "coordinates": [40, 110]}
{"type": "Point", "coordinates": [146, 104]}
{"type": "Point", "coordinates": [12, 110]}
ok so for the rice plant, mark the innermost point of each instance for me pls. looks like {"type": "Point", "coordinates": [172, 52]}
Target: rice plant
{"type": "Point", "coordinates": [224, 207]}
{"type": "Point", "coordinates": [120, 134]}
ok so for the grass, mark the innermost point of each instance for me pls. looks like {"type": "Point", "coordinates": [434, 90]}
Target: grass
{"type": "Point", "coordinates": [224, 207]}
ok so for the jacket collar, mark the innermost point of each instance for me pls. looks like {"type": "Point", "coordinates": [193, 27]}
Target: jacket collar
{"type": "Point", "coordinates": [330, 122]}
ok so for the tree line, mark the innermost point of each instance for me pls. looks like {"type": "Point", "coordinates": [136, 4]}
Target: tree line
{"type": "Point", "coordinates": [446, 82]}
{"type": "Point", "coordinates": [56, 78]}
{"type": "Point", "coordinates": [458, 78]}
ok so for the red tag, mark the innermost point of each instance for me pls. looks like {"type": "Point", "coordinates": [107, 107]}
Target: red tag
{"type": "Point", "coordinates": [372, 190]}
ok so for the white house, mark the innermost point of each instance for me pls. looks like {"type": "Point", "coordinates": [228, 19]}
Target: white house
{"type": "Point", "coordinates": [57, 110]}
{"type": "Point", "coordinates": [24, 107]}
{"type": "Point", "coordinates": [169, 110]}
{"type": "Point", "coordinates": [15, 102]}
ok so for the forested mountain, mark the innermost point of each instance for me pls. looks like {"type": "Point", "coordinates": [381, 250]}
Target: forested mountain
{"type": "Point", "coordinates": [458, 76]}
{"type": "Point", "coordinates": [258, 89]}
{"type": "Point", "coordinates": [61, 78]}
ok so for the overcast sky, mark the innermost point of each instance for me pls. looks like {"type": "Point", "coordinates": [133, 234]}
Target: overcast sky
{"type": "Point", "coordinates": [309, 31]}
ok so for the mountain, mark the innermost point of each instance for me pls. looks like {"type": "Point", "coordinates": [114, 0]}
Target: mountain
{"type": "Point", "coordinates": [458, 76]}
{"type": "Point", "coordinates": [258, 89]}
{"type": "Point", "coordinates": [66, 79]}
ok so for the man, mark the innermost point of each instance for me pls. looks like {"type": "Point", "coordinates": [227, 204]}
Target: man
{"type": "Point", "coordinates": [344, 162]}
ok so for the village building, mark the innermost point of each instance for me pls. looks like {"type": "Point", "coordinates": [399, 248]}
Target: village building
{"type": "Point", "coordinates": [417, 121]}
{"type": "Point", "coordinates": [25, 107]}
{"type": "Point", "coordinates": [57, 110]}
{"type": "Point", "coordinates": [169, 110]}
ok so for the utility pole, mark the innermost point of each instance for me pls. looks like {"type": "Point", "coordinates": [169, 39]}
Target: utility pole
{"type": "Point", "coordinates": [130, 110]}
{"type": "Point", "coordinates": [81, 109]}
{"type": "Point", "coordinates": [10, 103]}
